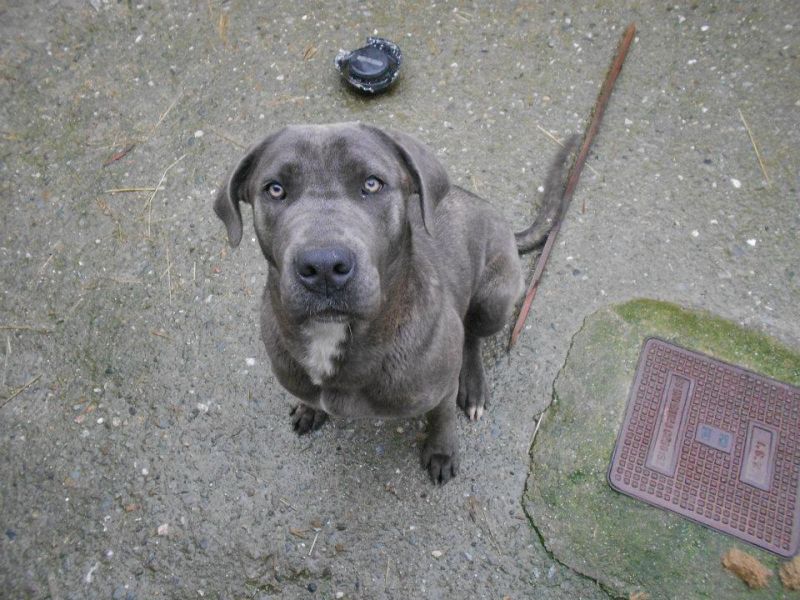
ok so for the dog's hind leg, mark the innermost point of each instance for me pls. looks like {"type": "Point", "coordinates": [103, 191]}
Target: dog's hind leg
{"type": "Point", "coordinates": [473, 392]}
{"type": "Point", "coordinates": [489, 310]}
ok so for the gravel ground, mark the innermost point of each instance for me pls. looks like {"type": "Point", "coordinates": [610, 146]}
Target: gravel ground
{"type": "Point", "coordinates": [148, 453]}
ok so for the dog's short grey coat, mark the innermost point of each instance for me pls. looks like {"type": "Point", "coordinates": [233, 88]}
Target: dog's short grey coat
{"type": "Point", "coordinates": [431, 270]}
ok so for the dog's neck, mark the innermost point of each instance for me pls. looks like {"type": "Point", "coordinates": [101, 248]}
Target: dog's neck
{"type": "Point", "coordinates": [324, 344]}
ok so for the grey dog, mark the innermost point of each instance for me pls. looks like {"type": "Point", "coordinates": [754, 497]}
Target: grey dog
{"type": "Point", "coordinates": [383, 278]}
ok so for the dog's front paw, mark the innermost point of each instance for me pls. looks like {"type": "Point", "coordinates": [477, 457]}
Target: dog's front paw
{"type": "Point", "coordinates": [306, 419]}
{"type": "Point", "coordinates": [440, 458]}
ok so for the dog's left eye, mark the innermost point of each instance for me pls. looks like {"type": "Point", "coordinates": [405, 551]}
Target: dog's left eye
{"type": "Point", "coordinates": [275, 190]}
{"type": "Point", "coordinates": [372, 185]}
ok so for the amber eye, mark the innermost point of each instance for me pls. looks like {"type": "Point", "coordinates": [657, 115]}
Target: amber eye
{"type": "Point", "coordinates": [275, 190]}
{"type": "Point", "coordinates": [372, 185]}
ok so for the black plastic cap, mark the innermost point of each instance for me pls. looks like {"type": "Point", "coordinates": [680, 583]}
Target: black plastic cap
{"type": "Point", "coordinates": [370, 69]}
{"type": "Point", "coordinates": [369, 63]}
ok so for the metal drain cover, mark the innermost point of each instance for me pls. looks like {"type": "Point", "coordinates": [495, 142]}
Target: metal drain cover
{"type": "Point", "coordinates": [715, 443]}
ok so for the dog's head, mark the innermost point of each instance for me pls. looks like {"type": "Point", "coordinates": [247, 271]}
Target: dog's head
{"type": "Point", "coordinates": [333, 207]}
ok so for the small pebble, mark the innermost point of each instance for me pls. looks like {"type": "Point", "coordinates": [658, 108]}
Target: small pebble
{"type": "Point", "coordinates": [340, 594]}
{"type": "Point", "coordinates": [695, 233]}
{"type": "Point", "coordinates": [11, 534]}
{"type": "Point", "coordinates": [251, 362]}
{"type": "Point", "coordinates": [90, 573]}
{"type": "Point", "coordinates": [751, 243]}
{"type": "Point", "coordinates": [163, 529]}
{"type": "Point", "coordinates": [736, 183]}
{"type": "Point", "coordinates": [312, 587]}
{"type": "Point", "coordinates": [198, 133]}
{"type": "Point", "coordinates": [436, 553]}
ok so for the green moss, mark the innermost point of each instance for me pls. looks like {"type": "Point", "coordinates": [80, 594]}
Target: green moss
{"type": "Point", "coordinates": [577, 476]}
{"type": "Point", "coordinates": [623, 543]}
{"type": "Point", "coordinates": [716, 336]}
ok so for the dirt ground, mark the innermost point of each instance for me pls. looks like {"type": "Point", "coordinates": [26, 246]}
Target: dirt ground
{"type": "Point", "coordinates": [146, 450]}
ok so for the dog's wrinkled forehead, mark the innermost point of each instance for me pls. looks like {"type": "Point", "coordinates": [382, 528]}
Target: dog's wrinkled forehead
{"type": "Point", "coordinates": [327, 154]}
{"type": "Point", "coordinates": [332, 161]}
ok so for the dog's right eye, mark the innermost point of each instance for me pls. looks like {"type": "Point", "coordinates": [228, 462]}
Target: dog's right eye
{"type": "Point", "coordinates": [275, 190]}
{"type": "Point", "coordinates": [372, 185]}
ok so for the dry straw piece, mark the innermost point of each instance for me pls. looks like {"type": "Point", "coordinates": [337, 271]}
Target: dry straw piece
{"type": "Point", "coordinates": [790, 574]}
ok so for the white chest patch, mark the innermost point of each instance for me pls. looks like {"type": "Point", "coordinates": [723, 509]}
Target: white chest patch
{"type": "Point", "coordinates": [324, 344]}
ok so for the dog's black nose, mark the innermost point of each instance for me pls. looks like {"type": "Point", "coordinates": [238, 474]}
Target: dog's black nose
{"type": "Point", "coordinates": [324, 270]}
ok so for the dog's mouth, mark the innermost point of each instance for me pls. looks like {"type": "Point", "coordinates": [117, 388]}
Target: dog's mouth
{"type": "Point", "coordinates": [330, 316]}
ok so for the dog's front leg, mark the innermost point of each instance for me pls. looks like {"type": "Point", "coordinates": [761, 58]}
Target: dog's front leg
{"type": "Point", "coordinates": [440, 454]}
{"type": "Point", "coordinates": [306, 419]}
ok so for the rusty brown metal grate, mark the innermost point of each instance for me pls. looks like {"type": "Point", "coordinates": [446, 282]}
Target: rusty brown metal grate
{"type": "Point", "coordinates": [715, 443]}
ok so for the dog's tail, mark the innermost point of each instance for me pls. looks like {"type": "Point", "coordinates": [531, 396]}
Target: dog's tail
{"type": "Point", "coordinates": [554, 203]}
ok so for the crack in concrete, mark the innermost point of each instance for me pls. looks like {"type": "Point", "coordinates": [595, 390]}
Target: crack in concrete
{"type": "Point", "coordinates": [607, 590]}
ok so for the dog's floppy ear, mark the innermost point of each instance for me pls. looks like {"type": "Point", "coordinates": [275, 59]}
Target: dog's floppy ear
{"type": "Point", "coordinates": [234, 190]}
{"type": "Point", "coordinates": [430, 179]}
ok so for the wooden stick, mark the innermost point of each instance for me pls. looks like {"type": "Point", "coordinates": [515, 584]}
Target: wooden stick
{"type": "Point", "coordinates": [166, 112]}
{"type": "Point", "coordinates": [560, 143]}
{"type": "Point", "coordinates": [755, 147]}
{"type": "Point", "coordinates": [574, 175]}
{"type": "Point", "coordinates": [19, 390]}
{"type": "Point", "coordinates": [530, 294]}
{"type": "Point", "coordinates": [149, 204]}
{"type": "Point", "coordinates": [314, 543]}
{"type": "Point", "coordinates": [130, 189]}
{"type": "Point", "coordinates": [5, 362]}
{"type": "Point", "coordinates": [119, 155]}
{"type": "Point", "coordinates": [227, 138]}
{"type": "Point", "coordinates": [25, 328]}
{"type": "Point", "coordinates": [538, 424]}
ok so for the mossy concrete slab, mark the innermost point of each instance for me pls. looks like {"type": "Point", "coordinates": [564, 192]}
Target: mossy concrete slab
{"type": "Point", "coordinates": [623, 543]}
